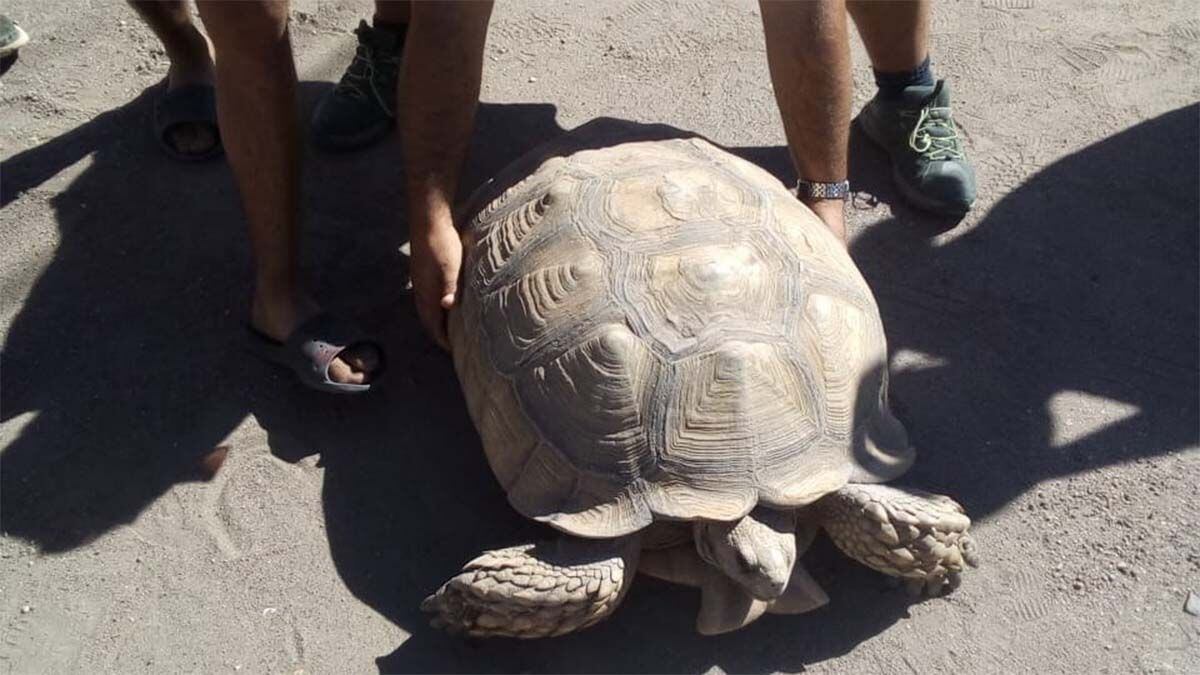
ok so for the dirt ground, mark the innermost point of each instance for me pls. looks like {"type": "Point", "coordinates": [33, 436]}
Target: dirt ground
{"type": "Point", "coordinates": [1044, 357]}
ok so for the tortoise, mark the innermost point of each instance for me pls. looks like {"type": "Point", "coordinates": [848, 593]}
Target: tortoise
{"type": "Point", "coordinates": [670, 360]}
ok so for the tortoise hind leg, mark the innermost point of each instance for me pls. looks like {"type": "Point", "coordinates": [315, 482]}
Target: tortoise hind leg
{"type": "Point", "coordinates": [536, 590]}
{"type": "Point", "coordinates": [905, 533]}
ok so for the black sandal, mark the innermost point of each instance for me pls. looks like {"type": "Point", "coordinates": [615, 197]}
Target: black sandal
{"type": "Point", "coordinates": [312, 347]}
{"type": "Point", "coordinates": [189, 104]}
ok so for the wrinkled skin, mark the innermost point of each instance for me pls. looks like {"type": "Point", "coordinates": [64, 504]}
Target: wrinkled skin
{"type": "Point", "coordinates": [758, 551]}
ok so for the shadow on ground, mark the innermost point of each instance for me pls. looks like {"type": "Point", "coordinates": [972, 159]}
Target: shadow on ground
{"type": "Point", "coordinates": [128, 351]}
{"type": "Point", "coordinates": [129, 348]}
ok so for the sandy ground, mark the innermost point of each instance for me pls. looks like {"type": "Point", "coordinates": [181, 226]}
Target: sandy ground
{"type": "Point", "coordinates": [1044, 356]}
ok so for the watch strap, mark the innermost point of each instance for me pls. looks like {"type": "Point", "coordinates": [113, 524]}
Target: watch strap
{"type": "Point", "coordinates": [808, 189]}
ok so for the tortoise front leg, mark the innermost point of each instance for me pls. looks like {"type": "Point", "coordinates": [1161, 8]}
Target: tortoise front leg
{"type": "Point", "coordinates": [536, 590]}
{"type": "Point", "coordinates": [905, 533]}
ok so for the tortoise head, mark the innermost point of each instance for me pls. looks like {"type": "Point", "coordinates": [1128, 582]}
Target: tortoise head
{"type": "Point", "coordinates": [757, 551]}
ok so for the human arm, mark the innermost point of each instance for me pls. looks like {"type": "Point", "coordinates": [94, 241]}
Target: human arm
{"type": "Point", "coordinates": [442, 71]}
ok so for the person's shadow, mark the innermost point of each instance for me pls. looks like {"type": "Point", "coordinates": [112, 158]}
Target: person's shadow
{"type": "Point", "coordinates": [1064, 326]}
{"type": "Point", "coordinates": [125, 363]}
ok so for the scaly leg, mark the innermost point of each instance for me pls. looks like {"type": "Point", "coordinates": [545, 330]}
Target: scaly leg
{"type": "Point", "coordinates": [536, 590]}
{"type": "Point", "coordinates": [905, 533]}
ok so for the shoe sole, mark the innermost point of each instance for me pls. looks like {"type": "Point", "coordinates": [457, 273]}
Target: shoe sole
{"type": "Point", "coordinates": [364, 139]}
{"type": "Point", "coordinates": [910, 194]}
{"type": "Point", "coordinates": [12, 47]}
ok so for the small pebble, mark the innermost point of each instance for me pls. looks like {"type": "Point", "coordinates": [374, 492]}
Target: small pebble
{"type": "Point", "coordinates": [25, 609]}
{"type": "Point", "coordinates": [1123, 567]}
{"type": "Point", "coordinates": [1192, 605]}
{"type": "Point", "coordinates": [532, 78]}
{"type": "Point", "coordinates": [1078, 585]}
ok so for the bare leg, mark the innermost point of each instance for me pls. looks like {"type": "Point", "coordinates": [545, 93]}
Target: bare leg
{"type": "Point", "coordinates": [896, 34]}
{"type": "Point", "coordinates": [256, 82]}
{"type": "Point", "coordinates": [394, 12]}
{"type": "Point", "coordinates": [191, 63]}
{"type": "Point", "coordinates": [808, 52]}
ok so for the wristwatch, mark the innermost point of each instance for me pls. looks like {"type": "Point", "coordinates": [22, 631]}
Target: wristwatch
{"type": "Point", "coordinates": [807, 190]}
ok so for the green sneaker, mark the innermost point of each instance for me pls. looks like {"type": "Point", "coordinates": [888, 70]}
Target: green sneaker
{"type": "Point", "coordinates": [12, 37]}
{"type": "Point", "coordinates": [928, 163]}
{"type": "Point", "coordinates": [361, 109]}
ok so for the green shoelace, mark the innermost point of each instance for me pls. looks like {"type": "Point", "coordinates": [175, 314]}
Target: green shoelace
{"type": "Point", "coordinates": [934, 136]}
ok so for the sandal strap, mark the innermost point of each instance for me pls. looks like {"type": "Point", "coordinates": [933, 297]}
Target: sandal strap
{"type": "Point", "coordinates": [189, 104]}
{"type": "Point", "coordinates": [314, 345]}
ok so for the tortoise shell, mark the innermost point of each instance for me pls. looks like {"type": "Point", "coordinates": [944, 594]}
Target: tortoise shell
{"type": "Point", "coordinates": [659, 330]}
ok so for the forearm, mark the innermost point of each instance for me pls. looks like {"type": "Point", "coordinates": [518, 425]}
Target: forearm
{"type": "Point", "coordinates": [809, 58]}
{"type": "Point", "coordinates": [443, 66]}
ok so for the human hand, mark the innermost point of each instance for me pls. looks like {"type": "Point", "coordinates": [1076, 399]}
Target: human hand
{"type": "Point", "coordinates": [436, 259]}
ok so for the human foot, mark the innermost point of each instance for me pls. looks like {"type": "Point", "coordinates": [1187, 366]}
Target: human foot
{"type": "Point", "coordinates": [187, 116]}
{"type": "Point", "coordinates": [313, 340]}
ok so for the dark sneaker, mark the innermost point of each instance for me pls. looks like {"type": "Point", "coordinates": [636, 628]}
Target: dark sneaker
{"type": "Point", "coordinates": [361, 109]}
{"type": "Point", "coordinates": [12, 37]}
{"type": "Point", "coordinates": [918, 134]}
